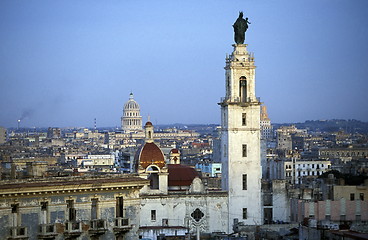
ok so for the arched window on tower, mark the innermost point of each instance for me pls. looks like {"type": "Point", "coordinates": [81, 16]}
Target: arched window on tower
{"type": "Point", "coordinates": [243, 89]}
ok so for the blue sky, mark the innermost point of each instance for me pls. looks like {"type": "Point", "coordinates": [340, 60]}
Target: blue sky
{"type": "Point", "coordinates": [64, 63]}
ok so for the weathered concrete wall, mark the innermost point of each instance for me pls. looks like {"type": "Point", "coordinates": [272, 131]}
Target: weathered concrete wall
{"type": "Point", "coordinates": [178, 210]}
{"type": "Point", "coordinates": [29, 213]}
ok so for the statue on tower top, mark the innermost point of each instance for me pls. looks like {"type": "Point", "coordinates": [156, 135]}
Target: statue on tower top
{"type": "Point", "coordinates": [240, 27]}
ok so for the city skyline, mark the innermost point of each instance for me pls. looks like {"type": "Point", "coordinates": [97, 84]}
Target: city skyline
{"type": "Point", "coordinates": [66, 63]}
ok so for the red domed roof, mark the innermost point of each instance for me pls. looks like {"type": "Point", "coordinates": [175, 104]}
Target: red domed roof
{"type": "Point", "coordinates": [149, 154]}
{"type": "Point", "coordinates": [148, 123]}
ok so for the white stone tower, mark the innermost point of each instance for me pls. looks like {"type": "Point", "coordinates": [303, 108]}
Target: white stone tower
{"type": "Point", "coordinates": [240, 139]}
{"type": "Point", "coordinates": [131, 121]}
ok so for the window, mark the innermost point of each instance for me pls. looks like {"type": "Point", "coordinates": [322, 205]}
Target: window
{"type": "Point", "coordinates": [71, 210]}
{"type": "Point", "coordinates": [153, 215]}
{"type": "Point", "coordinates": [244, 150]}
{"type": "Point", "coordinates": [94, 208]}
{"type": "Point", "coordinates": [352, 196]}
{"type": "Point", "coordinates": [197, 215]}
{"type": "Point", "coordinates": [244, 181]}
{"type": "Point", "coordinates": [119, 207]}
{"type": "Point", "coordinates": [44, 206]}
{"type": "Point", "coordinates": [244, 119]}
{"type": "Point", "coordinates": [15, 208]}
{"type": "Point", "coordinates": [245, 210]}
{"type": "Point", "coordinates": [243, 89]}
{"type": "Point", "coordinates": [361, 196]}
{"type": "Point", "coordinates": [154, 181]}
{"type": "Point", "coordinates": [165, 222]}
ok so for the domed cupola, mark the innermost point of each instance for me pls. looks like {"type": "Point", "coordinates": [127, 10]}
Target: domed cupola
{"type": "Point", "coordinates": [149, 154]}
{"type": "Point", "coordinates": [131, 104]}
{"type": "Point", "coordinates": [150, 163]}
{"type": "Point", "coordinates": [131, 121]}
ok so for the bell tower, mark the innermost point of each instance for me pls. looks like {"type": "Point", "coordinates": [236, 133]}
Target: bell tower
{"type": "Point", "coordinates": [240, 139]}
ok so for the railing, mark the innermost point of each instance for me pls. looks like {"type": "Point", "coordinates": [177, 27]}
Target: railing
{"type": "Point", "coordinates": [122, 222]}
{"type": "Point", "coordinates": [98, 224]}
{"type": "Point", "coordinates": [239, 100]}
{"type": "Point", "coordinates": [47, 229]}
{"type": "Point", "coordinates": [18, 232]}
{"type": "Point", "coordinates": [73, 227]}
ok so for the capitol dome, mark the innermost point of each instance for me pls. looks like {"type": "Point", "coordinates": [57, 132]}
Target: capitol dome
{"type": "Point", "coordinates": [131, 121]}
{"type": "Point", "coordinates": [131, 104]}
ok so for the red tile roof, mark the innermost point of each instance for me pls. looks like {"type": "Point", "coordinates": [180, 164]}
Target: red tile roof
{"type": "Point", "coordinates": [181, 175]}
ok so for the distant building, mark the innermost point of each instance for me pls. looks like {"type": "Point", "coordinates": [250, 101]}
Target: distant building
{"type": "Point", "coordinates": [3, 136]}
{"type": "Point", "coordinates": [346, 154]}
{"type": "Point", "coordinates": [266, 127]}
{"type": "Point", "coordinates": [349, 203]}
{"type": "Point", "coordinates": [209, 169]}
{"type": "Point", "coordinates": [290, 138]}
{"type": "Point", "coordinates": [53, 132]}
{"type": "Point", "coordinates": [131, 121]}
{"type": "Point", "coordinates": [97, 161]}
{"type": "Point", "coordinates": [296, 170]}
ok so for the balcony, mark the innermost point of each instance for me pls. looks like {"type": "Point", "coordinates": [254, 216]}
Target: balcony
{"type": "Point", "coordinates": [122, 225]}
{"type": "Point", "coordinates": [72, 229]}
{"type": "Point", "coordinates": [98, 227]}
{"type": "Point", "coordinates": [18, 233]}
{"type": "Point", "coordinates": [238, 100]}
{"type": "Point", "coordinates": [47, 231]}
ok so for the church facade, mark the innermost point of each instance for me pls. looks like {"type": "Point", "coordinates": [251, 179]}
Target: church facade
{"type": "Point", "coordinates": [176, 202]}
